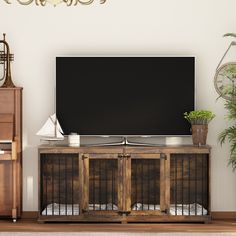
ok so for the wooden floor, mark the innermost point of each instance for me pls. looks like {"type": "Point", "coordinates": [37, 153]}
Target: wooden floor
{"type": "Point", "coordinates": [33, 226]}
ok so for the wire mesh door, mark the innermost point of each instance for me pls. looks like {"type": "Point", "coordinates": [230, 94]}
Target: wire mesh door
{"type": "Point", "coordinates": [103, 182]}
{"type": "Point", "coordinates": [59, 184]}
{"type": "Point", "coordinates": [146, 180]}
{"type": "Point", "coordinates": [189, 192]}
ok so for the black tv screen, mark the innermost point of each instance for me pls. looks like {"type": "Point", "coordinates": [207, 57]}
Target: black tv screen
{"type": "Point", "coordinates": [125, 95]}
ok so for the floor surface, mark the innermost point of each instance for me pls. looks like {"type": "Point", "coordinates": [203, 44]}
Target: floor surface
{"type": "Point", "coordinates": [34, 226]}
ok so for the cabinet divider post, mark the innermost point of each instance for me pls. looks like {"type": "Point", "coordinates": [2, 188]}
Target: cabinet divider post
{"type": "Point", "coordinates": [84, 182]}
{"type": "Point", "coordinates": [162, 185]}
{"type": "Point", "coordinates": [127, 183]}
{"type": "Point", "coordinates": [120, 182]}
{"type": "Point", "coordinates": [167, 183]}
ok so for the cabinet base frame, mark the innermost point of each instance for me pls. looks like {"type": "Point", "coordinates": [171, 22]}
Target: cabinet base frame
{"type": "Point", "coordinates": [126, 219]}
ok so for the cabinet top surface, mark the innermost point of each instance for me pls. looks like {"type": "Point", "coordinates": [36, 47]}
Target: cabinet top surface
{"type": "Point", "coordinates": [126, 149]}
{"type": "Point", "coordinates": [14, 88]}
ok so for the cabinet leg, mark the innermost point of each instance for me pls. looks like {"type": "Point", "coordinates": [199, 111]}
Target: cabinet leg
{"type": "Point", "coordinates": [124, 219]}
{"type": "Point", "coordinates": [41, 222]}
{"type": "Point", "coordinates": [207, 221]}
{"type": "Point", "coordinates": [14, 214]}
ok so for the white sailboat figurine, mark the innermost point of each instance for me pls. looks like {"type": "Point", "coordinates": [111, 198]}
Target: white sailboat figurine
{"type": "Point", "coordinates": [51, 130]}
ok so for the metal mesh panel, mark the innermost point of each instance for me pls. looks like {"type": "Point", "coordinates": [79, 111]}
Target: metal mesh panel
{"type": "Point", "coordinates": [59, 184]}
{"type": "Point", "coordinates": [189, 184]}
{"type": "Point", "coordinates": [145, 184]}
{"type": "Point", "coordinates": [103, 184]}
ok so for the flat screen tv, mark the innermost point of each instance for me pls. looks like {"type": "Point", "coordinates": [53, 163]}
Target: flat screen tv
{"type": "Point", "coordinates": [125, 95]}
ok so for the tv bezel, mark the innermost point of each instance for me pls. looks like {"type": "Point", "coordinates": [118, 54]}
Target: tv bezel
{"type": "Point", "coordinates": [130, 55]}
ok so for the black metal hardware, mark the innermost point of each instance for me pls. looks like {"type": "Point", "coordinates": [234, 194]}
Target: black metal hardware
{"type": "Point", "coordinates": [84, 157]}
{"type": "Point", "coordinates": [124, 156]}
{"type": "Point", "coordinates": [165, 211]}
{"type": "Point", "coordinates": [120, 155]}
{"type": "Point", "coordinates": [127, 156]}
{"type": "Point", "coordinates": [163, 156]}
{"type": "Point", "coordinates": [85, 210]}
{"type": "Point", "coordinates": [124, 212]}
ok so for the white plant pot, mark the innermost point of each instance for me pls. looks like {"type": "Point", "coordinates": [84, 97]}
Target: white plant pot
{"type": "Point", "coordinates": [74, 140]}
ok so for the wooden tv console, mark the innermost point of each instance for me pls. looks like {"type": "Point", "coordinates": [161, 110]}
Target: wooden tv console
{"type": "Point", "coordinates": [124, 184]}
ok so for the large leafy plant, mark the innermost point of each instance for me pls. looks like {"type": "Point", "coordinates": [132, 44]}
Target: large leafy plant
{"type": "Point", "coordinates": [230, 71]}
{"type": "Point", "coordinates": [230, 133]}
{"type": "Point", "coordinates": [200, 117]}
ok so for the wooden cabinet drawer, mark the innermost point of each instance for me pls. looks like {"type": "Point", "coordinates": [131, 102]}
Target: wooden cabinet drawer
{"type": "Point", "coordinates": [6, 126]}
{"type": "Point", "coordinates": [7, 103]}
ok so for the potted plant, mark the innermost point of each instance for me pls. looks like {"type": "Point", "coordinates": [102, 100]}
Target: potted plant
{"type": "Point", "coordinates": [199, 121]}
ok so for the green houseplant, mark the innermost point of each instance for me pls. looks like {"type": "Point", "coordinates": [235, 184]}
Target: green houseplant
{"type": "Point", "coordinates": [230, 132]}
{"type": "Point", "coordinates": [199, 121]}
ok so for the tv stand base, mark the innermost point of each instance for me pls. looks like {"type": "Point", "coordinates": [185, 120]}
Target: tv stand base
{"type": "Point", "coordinates": [124, 141]}
{"type": "Point", "coordinates": [130, 143]}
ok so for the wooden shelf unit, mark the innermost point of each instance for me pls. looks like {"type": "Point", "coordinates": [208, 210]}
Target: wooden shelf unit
{"type": "Point", "coordinates": [124, 184]}
{"type": "Point", "coordinates": [11, 153]}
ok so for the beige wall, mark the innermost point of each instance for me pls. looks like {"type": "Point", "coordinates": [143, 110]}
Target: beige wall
{"type": "Point", "coordinates": [190, 27]}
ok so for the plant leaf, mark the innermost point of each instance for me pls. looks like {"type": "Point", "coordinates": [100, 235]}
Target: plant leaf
{"type": "Point", "coordinates": [230, 34]}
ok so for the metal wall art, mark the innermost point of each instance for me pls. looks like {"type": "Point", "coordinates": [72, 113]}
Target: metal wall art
{"type": "Point", "coordinates": [56, 2]}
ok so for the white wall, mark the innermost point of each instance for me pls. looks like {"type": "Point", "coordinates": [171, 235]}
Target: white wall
{"type": "Point", "coordinates": [37, 34]}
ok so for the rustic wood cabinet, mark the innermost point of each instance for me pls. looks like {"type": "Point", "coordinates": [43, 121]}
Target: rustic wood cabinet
{"type": "Point", "coordinates": [124, 184]}
{"type": "Point", "coordinates": [10, 152]}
